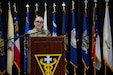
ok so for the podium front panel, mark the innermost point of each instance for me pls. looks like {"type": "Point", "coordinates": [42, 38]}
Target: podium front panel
{"type": "Point", "coordinates": [39, 47]}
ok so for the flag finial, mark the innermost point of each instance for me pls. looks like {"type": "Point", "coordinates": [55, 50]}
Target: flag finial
{"type": "Point", "coordinates": [95, 2]}
{"type": "Point", "coordinates": [45, 4]}
{"type": "Point", "coordinates": [27, 6]}
{"type": "Point", "coordinates": [63, 5]}
{"type": "Point", "coordinates": [73, 3]}
{"type": "Point", "coordinates": [54, 5]}
{"type": "Point", "coordinates": [36, 5]}
{"type": "Point", "coordinates": [9, 5]}
{"type": "Point", "coordinates": [14, 6]}
{"type": "Point", "coordinates": [106, 2]}
{"type": "Point", "coordinates": [85, 3]}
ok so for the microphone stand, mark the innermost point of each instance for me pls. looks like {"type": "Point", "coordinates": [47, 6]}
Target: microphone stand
{"type": "Point", "coordinates": [24, 35]}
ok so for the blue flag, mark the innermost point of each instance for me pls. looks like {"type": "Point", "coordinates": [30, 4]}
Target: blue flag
{"type": "Point", "coordinates": [2, 52]}
{"type": "Point", "coordinates": [26, 49]}
{"type": "Point", "coordinates": [73, 42]}
{"type": "Point", "coordinates": [64, 25]}
{"type": "Point", "coordinates": [54, 28]}
{"type": "Point", "coordinates": [27, 22]}
{"type": "Point", "coordinates": [65, 34]}
{"type": "Point", "coordinates": [85, 42]}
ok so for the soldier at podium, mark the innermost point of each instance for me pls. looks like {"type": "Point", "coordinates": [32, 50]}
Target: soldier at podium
{"type": "Point", "coordinates": [38, 29]}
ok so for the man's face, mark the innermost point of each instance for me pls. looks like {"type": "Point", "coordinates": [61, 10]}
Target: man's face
{"type": "Point", "coordinates": [38, 23]}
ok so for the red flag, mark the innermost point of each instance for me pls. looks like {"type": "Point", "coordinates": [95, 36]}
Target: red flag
{"type": "Point", "coordinates": [96, 50]}
{"type": "Point", "coordinates": [16, 43]}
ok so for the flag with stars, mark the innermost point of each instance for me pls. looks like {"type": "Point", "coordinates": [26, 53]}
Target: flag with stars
{"type": "Point", "coordinates": [96, 50]}
{"type": "Point", "coordinates": [16, 42]}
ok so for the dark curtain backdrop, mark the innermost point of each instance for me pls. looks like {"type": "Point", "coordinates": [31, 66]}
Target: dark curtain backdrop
{"type": "Point", "coordinates": [79, 7]}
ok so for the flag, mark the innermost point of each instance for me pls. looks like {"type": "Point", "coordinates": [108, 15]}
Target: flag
{"type": "Point", "coordinates": [65, 34]}
{"type": "Point", "coordinates": [2, 51]}
{"type": "Point", "coordinates": [26, 49]}
{"type": "Point", "coordinates": [10, 43]}
{"type": "Point", "coordinates": [45, 20]}
{"type": "Point", "coordinates": [73, 41]}
{"type": "Point", "coordinates": [85, 42]}
{"type": "Point", "coordinates": [27, 22]}
{"type": "Point", "coordinates": [96, 50]}
{"type": "Point", "coordinates": [16, 42]}
{"type": "Point", "coordinates": [107, 41]}
{"type": "Point", "coordinates": [54, 27]}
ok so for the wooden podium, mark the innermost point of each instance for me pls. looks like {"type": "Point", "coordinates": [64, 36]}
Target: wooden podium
{"type": "Point", "coordinates": [46, 56]}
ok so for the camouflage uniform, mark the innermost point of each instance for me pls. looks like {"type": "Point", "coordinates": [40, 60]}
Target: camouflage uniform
{"type": "Point", "coordinates": [42, 32]}
{"type": "Point", "coordinates": [33, 32]}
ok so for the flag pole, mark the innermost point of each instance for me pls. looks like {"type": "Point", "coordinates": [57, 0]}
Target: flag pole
{"type": "Point", "coordinates": [105, 69]}
{"type": "Point", "coordinates": [94, 63]}
{"type": "Point", "coordinates": [10, 47]}
{"type": "Point", "coordinates": [15, 62]}
{"type": "Point", "coordinates": [63, 9]}
{"type": "Point", "coordinates": [94, 68]}
{"type": "Point", "coordinates": [73, 3]}
{"type": "Point", "coordinates": [85, 1]}
{"type": "Point", "coordinates": [25, 50]}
